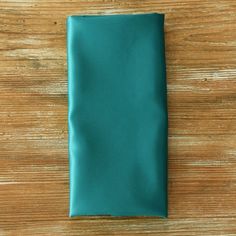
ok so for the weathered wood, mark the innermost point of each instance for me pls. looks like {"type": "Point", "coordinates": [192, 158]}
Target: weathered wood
{"type": "Point", "coordinates": [201, 72]}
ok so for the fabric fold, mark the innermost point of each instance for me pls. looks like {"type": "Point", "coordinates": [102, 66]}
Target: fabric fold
{"type": "Point", "coordinates": [117, 115]}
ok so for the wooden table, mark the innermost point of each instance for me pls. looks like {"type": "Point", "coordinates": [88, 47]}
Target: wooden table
{"type": "Point", "coordinates": [201, 72]}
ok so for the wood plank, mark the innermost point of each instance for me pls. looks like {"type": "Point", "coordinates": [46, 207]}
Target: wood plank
{"type": "Point", "coordinates": [200, 38]}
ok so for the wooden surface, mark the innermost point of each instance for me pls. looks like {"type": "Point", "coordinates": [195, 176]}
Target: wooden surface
{"type": "Point", "coordinates": [201, 72]}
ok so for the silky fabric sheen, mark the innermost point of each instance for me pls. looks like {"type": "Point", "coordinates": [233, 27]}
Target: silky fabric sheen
{"type": "Point", "coordinates": [117, 115]}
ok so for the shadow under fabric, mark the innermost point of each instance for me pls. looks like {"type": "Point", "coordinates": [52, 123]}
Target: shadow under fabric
{"type": "Point", "coordinates": [117, 115]}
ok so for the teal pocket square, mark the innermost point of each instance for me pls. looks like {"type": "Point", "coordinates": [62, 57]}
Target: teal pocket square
{"type": "Point", "coordinates": [117, 115]}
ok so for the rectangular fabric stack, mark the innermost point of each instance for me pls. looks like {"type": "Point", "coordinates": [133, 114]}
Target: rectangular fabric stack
{"type": "Point", "coordinates": [117, 115]}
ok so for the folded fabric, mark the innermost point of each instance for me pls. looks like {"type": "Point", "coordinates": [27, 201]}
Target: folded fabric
{"type": "Point", "coordinates": [117, 115]}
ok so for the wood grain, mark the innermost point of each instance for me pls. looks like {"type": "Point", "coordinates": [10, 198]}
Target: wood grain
{"type": "Point", "coordinates": [201, 72]}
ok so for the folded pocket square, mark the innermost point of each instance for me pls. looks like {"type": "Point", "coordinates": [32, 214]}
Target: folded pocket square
{"type": "Point", "coordinates": [117, 115]}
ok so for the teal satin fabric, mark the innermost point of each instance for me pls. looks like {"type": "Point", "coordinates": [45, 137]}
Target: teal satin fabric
{"type": "Point", "coordinates": [117, 115]}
